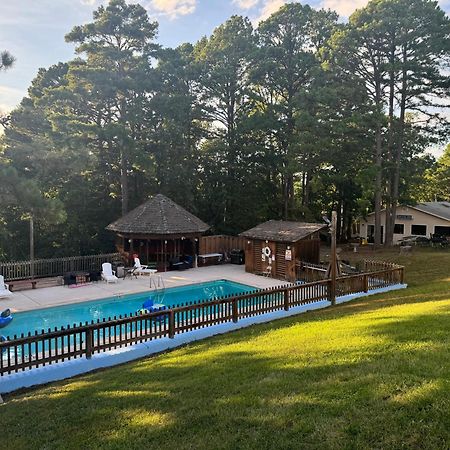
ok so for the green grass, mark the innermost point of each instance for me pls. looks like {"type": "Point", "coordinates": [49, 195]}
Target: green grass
{"type": "Point", "coordinates": [373, 373]}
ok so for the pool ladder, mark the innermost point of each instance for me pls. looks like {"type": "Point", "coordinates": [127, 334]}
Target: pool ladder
{"type": "Point", "coordinates": [157, 281]}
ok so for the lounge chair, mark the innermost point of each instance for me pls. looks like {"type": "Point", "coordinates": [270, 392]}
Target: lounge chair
{"type": "Point", "coordinates": [4, 288]}
{"type": "Point", "coordinates": [139, 269]}
{"type": "Point", "coordinates": [108, 274]}
{"type": "Point", "coordinates": [178, 264]}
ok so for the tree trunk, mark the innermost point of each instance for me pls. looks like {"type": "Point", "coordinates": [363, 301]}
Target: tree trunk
{"type": "Point", "coordinates": [285, 196]}
{"type": "Point", "coordinates": [388, 226]}
{"type": "Point", "coordinates": [303, 188]}
{"type": "Point", "coordinates": [124, 182]}
{"type": "Point", "coordinates": [398, 155]}
{"type": "Point", "coordinates": [339, 220]}
{"type": "Point", "coordinates": [289, 176]}
{"type": "Point", "coordinates": [378, 186]}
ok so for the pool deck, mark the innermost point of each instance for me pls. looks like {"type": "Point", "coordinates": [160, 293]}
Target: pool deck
{"type": "Point", "coordinates": [63, 295]}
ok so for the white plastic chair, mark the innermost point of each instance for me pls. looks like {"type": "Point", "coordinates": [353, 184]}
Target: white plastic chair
{"type": "Point", "coordinates": [108, 274]}
{"type": "Point", "coordinates": [4, 288]}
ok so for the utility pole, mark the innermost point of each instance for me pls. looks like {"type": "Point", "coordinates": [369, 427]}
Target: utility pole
{"type": "Point", "coordinates": [333, 259]}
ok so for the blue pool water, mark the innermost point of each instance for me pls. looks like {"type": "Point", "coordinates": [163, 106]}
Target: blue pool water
{"type": "Point", "coordinates": [43, 319]}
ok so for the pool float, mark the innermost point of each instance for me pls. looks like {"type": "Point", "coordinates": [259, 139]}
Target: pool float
{"type": "Point", "coordinates": [5, 318]}
{"type": "Point", "coordinates": [150, 307]}
{"type": "Point", "coordinates": [148, 304]}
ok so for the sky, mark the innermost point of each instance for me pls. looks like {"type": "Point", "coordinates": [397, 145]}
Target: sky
{"type": "Point", "coordinates": [33, 30]}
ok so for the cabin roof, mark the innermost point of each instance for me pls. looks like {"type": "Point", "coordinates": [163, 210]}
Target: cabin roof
{"type": "Point", "coordinates": [283, 231]}
{"type": "Point", "coordinates": [437, 209]}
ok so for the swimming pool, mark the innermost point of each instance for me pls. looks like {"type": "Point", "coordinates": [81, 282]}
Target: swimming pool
{"type": "Point", "coordinates": [58, 316]}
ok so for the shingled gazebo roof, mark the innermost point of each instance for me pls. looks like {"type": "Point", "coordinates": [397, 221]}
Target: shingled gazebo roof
{"type": "Point", "coordinates": [158, 216]}
{"type": "Point", "coordinates": [282, 231]}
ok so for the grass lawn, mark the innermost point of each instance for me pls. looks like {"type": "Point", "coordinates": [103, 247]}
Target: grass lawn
{"type": "Point", "coordinates": [373, 373]}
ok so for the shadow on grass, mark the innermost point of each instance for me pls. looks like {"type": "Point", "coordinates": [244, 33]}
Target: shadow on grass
{"type": "Point", "coordinates": [236, 391]}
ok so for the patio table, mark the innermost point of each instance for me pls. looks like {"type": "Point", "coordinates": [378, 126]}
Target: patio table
{"type": "Point", "coordinates": [209, 259]}
{"type": "Point", "coordinates": [129, 271]}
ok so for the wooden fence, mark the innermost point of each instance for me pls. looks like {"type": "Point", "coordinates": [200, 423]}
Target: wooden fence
{"type": "Point", "coordinates": [310, 272]}
{"type": "Point", "coordinates": [20, 353]}
{"type": "Point", "coordinates": [22, 270]}
{"type": "Point", "coordinates": [372, 265]}
{"type": "Point", "coordinates": [220, 243]}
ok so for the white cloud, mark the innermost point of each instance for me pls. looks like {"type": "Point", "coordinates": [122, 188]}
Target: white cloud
{"type": "Point", "coordinates": [174, 8]}
{"type": "Point", "coordinates": [344, 7]}
{"type": "Point", "coordinates": [245, 4]}
{"type": "Point", "coordinates": [170, 8]}
{"type": "Point", "coordinates": [10, 98]}
{"type": "Point", "coordinates": [268, 8]}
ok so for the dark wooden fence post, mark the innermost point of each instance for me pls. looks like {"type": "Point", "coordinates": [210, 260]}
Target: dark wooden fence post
{"type": "Point", "coordinates": [402, 275]}
{"type": "Point", "coordinates": [331, 291]}
{"type": "Point", "coordinates": [89, 343]}
{"type": "Point", "coordinates": [235, 313]}
{"type": "Point", "coordinates": [286, 299]}
{"type": "Point", "coordinates": [366, 282]}
{"type": "Point", "coordinates": [171, 324]}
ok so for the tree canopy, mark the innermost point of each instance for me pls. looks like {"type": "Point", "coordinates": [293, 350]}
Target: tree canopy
{"type": "Point", "coordinates": [289, 119]}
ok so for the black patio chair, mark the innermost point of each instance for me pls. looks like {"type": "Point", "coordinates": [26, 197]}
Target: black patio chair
{"type": "Point", "coordinates": [95, 276]}
{"type": "Point", "coordinates": [70, 279]}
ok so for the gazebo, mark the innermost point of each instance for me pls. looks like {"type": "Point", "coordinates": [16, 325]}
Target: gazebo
{"type": "Point", "coordinates": [275, 247]}
{"type": "Point", "coordinates": [159, 231]}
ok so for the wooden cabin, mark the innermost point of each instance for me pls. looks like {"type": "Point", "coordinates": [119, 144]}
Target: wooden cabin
{"type": "Point", "coordinates": [159, 231]}
{"type": "Point", "coordinates": [274, 248]}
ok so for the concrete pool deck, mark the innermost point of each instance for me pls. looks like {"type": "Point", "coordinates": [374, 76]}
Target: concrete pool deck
{"type": "Point", "coordinates": [63, 295]}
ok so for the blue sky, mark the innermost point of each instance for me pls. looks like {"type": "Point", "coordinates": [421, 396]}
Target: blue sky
{"type": "Point", "coordinates": [33, 30]}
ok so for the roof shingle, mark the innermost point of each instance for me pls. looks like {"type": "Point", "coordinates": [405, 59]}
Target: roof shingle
{"type": "Point", "coordinates": [158, 216]}
{"type": "Point", "coordinates": [282, 231]}
{"type": "Point", "coordinates": [440, 209]}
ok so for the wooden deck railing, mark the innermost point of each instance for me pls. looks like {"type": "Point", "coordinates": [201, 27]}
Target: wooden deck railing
{"type": "Point", "coordinates": [21, 270]}
{"type": "Point", "coordinates": [20, 353]}
{"type": "Point", "coordinates": [310, 272]}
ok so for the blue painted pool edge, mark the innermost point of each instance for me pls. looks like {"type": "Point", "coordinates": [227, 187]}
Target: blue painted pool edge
{"type": "Point", "coordinates": [68, 369]}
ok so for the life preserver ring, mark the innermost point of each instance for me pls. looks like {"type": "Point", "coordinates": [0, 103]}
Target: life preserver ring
{"type": "Point", "coordinates": [266, 252]}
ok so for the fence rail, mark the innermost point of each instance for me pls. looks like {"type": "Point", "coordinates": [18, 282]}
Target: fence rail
{"type": "Point", "coordinates": [22, 270]}
{"type": "Point", "coordinates": [20, 353]}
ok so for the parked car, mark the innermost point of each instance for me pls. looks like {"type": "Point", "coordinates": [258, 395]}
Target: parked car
{"type": "Point", "coordinates": [439, 241]}
{"type": "Point", "coordinates": [415, 240]}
